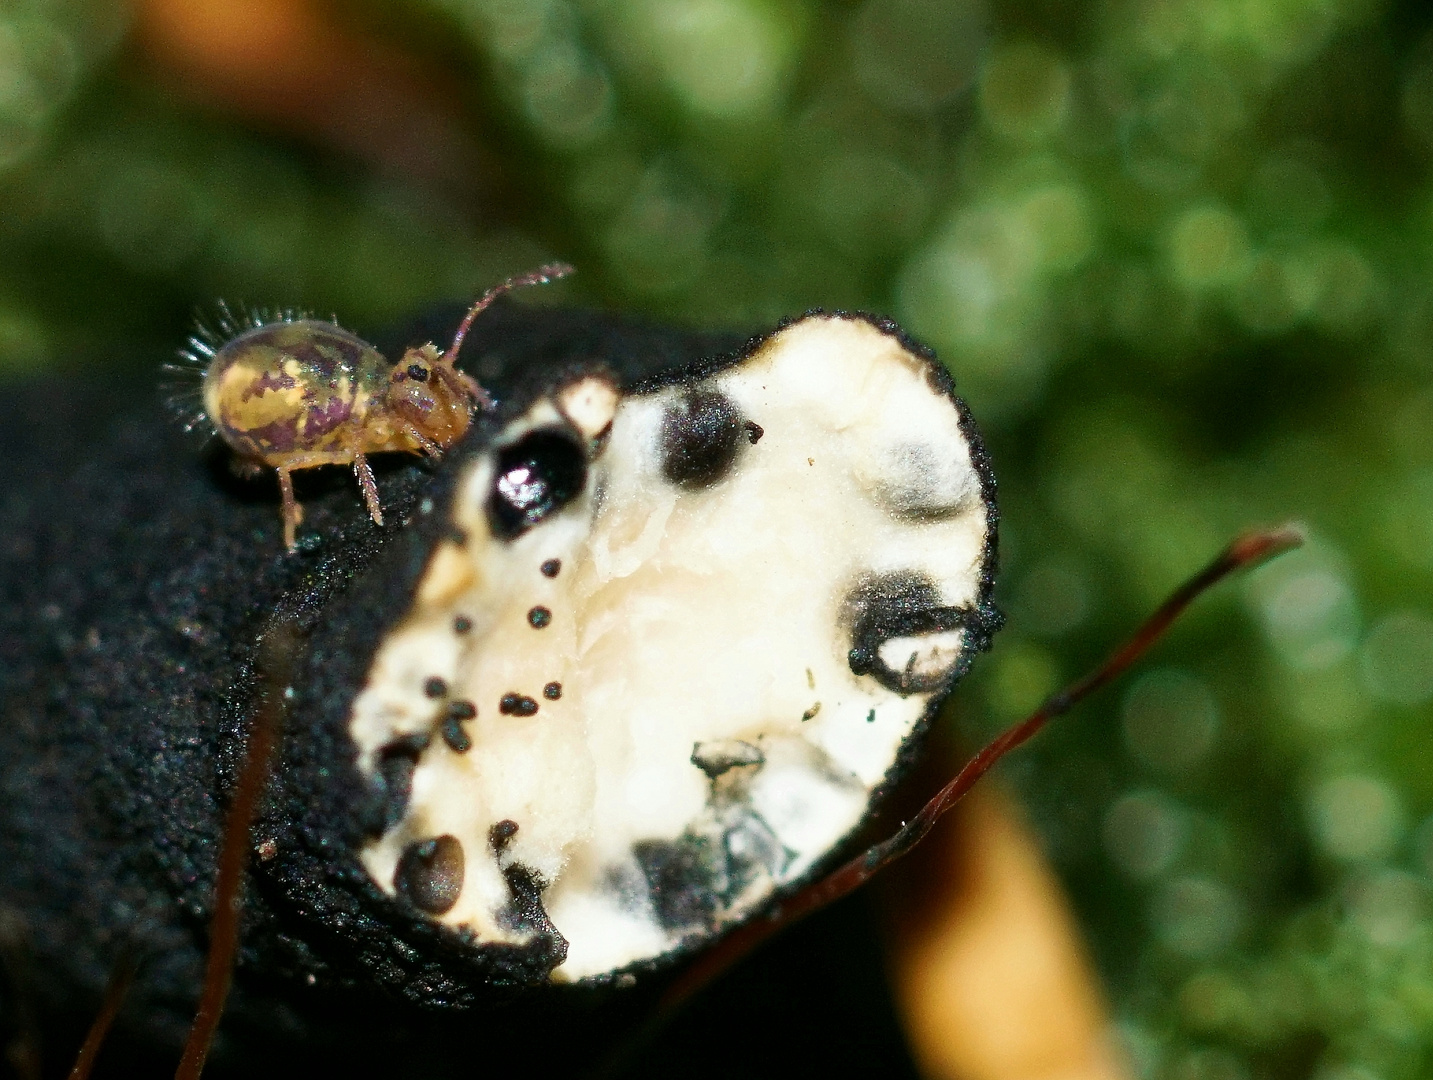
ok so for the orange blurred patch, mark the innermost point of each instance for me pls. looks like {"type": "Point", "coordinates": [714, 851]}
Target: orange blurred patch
{"type": "Point", "coordinates": [988, 971]}
{"type": "Point", "coordinates": [294, 65]}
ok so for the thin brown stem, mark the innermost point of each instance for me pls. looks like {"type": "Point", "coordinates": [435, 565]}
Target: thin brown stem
{"type": "Point", "coordinates": [1248, 550]}
{"type": "Point", "coordinates": [275, 664]}
{"type": "Point", "coordinates": [541, 276]}
{"type": "Point", "coordinates": [119, 982]}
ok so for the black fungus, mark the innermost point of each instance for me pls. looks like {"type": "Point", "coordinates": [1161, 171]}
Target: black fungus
{"type": "Point", "coordinates": [551, 568]}
{"type": "Point", "coordinates": [539, 617]}
{"type": "Point", "coordinates": [462, 710]}
{"type": "Point", "coordinates": [552, 691]}
{"type": "Point", "coordinates": [462, 625]}
{"type": "Point", "coordinates": [435, 687]}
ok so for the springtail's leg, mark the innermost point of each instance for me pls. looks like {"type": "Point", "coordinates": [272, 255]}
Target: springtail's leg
{"type": "Point", "coordinates": [364, 472]}
{"type": "Point", "coordinates": [293, 512]}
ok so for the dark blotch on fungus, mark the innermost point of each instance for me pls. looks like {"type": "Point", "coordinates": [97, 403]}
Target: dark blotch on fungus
{"type": "Point", "coordinates": [517, 705]}
{"type": "Point", "coordinates": [501, 833]}
{"type": "Point", "coordinates": [701, 434]}
{"type": "Point", "coordinates": [536, 476]}
{"type": "Point", "coordinates": [393, 782]}
{"type": "Point", "coordinates": [680, 880]}
{"type": "Point", "coordinates": [454, 735]}
{"type": "Point", "coordinates": [430, 874]}
{"type": "Point", "coordinates": [904, 605]}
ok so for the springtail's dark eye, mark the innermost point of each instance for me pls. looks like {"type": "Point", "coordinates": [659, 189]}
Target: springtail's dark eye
{"type": "Point", "coordinates": [418, 372]}
{"type": "Point", "coordinates": [536, 476]}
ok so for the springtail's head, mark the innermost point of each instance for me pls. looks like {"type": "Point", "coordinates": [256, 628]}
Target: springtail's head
{"type": "Point", "coordinates": [426, 390]}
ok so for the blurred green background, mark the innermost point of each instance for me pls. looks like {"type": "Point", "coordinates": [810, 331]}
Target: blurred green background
{"type": "Point", "coordinates": [1177, 253]}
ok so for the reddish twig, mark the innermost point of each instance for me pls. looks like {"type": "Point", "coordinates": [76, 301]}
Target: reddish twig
{"type": "Point", "coordinates": [274, 667]}
{"type": "Point", "coordinates": [119, 982]}
{"type": "Point", "coordinates": [1248, 550]}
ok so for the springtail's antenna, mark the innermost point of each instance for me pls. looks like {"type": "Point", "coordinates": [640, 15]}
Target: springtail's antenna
{"type": "Point", "coordinates": [1249, 550]}
{"type": "Point", "coordinates": [275, 667]}
{"type": "Point", "coordinates": [114, 993]}
{"type": "Point", "coordinates": [541, 276]}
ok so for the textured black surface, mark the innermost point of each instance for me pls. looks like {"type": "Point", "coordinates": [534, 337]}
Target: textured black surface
{"type": "Point", "coordinates": [138, 575]}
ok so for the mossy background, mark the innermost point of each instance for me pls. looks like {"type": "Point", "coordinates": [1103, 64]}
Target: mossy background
{"type": "Point", "coordinates": [1178, 253]}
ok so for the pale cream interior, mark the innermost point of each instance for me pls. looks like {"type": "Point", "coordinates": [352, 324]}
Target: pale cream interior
{"type": "Point", "coordinates": [681, 617]}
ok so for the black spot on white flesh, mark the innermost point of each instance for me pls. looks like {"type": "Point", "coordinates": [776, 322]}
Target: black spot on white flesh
{"type": "Point", "coordinates": [501, 833]}
{"type": "Point", "coordinates": [900, 617]}
{"type": "Point", "coordinates": [701, 433]}
{"type": "Point", "coordinates": [430, 874]}
{"type": "Point", "coordinates": [392, 782]}
{"type": "Point", "coordinates": [535, 477]}
{"type": "Point", "coordinates": [736, 656]}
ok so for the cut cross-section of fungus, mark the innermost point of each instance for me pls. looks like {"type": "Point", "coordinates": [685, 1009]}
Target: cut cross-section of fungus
{"type": "Point", "coordinates": [771, 573]}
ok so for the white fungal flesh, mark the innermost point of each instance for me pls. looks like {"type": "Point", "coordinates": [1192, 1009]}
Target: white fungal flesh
{"type": "Point", "coordinates": [711, 739]}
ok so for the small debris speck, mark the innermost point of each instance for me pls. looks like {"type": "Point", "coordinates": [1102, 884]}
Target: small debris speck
{"type": "Point", "coordinates": [809, 713]}
{"type": "Point", "coordinates": [552, 691]}
{"type": "Point", "coordinates": [810, 679]}
{"type": "Point", "coordinates": [435, 687]}
{"type": "Point", "coordinates": [539, 617]}
{"type": "Point", "coordinates": [811, 461]}
{"type": "Point", "coordinates": [754, 432]}
{"type": "Point", "coordinates": [426, 506]}
{"type": "Point", "coordinates": [551, 568]}
{"type": "Point", "coordinates": [267, 850]}
{"type": "Point", "coordinates": [871, 717]}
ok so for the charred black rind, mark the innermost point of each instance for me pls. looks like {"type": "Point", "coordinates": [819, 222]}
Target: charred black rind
{"type": "Point", "coordinates": [137, 577]}
{"type": "Point", "coordinates": [525, 911]}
